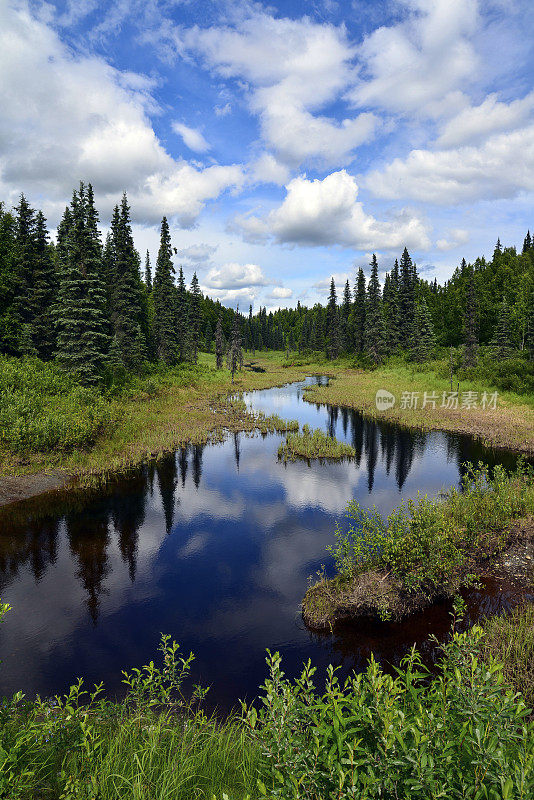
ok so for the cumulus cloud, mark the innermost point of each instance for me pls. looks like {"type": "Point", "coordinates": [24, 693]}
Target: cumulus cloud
{"type": "Point", "coordinates": [475, 123]}
{"type": "Point", "coordinates": [502, 167]}
{"type": "Point", "coordinates": [192, 137]}
{"type": "Point", "coordinates": [280, 293]}
{"type": "Point", "coordinates": [327, 212]}
{"type": "Point", "coordinates": [456, 237]}
{"type": "Point", "coordinates": [198, 253]}
{"type": "Point", "coordinates": [293, 68]}
{"type": "Point", "coordinates": [267, 169]}
{"type": "Point", "coordinates": [236, 276]}
{"type": "Point", "coordinates": [422, 63]}
{"type": "Point", "coordinates": [66, 117]}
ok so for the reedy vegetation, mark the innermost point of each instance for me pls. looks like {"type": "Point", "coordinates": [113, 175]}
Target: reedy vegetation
{"type": "Point", "coordinates": [313, 444]}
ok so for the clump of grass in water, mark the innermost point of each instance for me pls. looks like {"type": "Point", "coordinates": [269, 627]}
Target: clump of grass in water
{"type": "Point", "coordinates": [510, 640]}
{"type": "Point", "coordinates": [313, 444]}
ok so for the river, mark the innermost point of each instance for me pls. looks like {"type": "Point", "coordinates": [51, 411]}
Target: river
{"type": "Point", "coordinates": [214, 545]}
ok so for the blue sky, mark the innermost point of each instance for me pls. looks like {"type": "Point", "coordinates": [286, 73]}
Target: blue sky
{"type": "Point", "coordinates": [285, 142]}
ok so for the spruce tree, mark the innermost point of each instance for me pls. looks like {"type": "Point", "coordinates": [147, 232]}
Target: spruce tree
{"type": "Point", "coordinates": [183, 320]}
{"type": "Point", "coordinates": [208, 336]}
{"type": "Point", "coordinates": [82, 339]}
{"type": "Point", "coordinates": [375, 335]}
{"type": "Point", "coordinates": [165, 304]}
{"type": "Point", "coordinates": [234, 356]}
{"type": "Point", "coordinates": [148, 272]}
{"type": "Point", "coordinates": [470, 323]}
{"type": "Point", "coordinates": [23, 264]}
{"type": "Point", "coordinates": [333, 335]}
{"type": "Point", "coordinates": [360, 294]}
{"type": "Point", "coordinates": [502, 342]}
{"type": "Point", "coordinates": [43, 294]}
{"type": "Point", "coordinates": [219, 343]}
{"type": "Point", "coordinates": [530, 323]}
{"type": "Point", "coordinates": [195, 317]}
{"type": "Point", "coordinates": [407, 281]}
{"type": "Point", "coordinates": [127, 295]}
{"type": "Point", "coordinates": [392, 311]}
{"type": "Point", "coordinates": [9, 320]}
{"type": "Point", "coordinates": [346, 309]}
{"type": "Point", "coordinates": [423, 339]}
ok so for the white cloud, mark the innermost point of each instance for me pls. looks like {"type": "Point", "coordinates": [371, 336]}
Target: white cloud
{"type": "Point", "coordinates": [421, 64]}
{"type": "Point", "coordinates": [192, 137]}
{"type": "Point", "coordinates": [223, 111]}
{"type": "Point", "coordinates": [293, 68]}
{"type": "Point", "coordinates": [198, 253]}
{"type": "Point", "coordinates": [475, 123]}
{"type": "Point", "coordinates": [280, 293]}
{"type": "Point", "coordinates": [456, 237]}
{"type": "Point", "coordinates": [267, 169]}
{"type": "Point", "coordinates": [236, 276]}
{"type": "Point", "coordinates": [502, 167]}
{"type": "Point", "coordinates": [327, 212]}
{"type": "Point", "coordinates": [67, 117]}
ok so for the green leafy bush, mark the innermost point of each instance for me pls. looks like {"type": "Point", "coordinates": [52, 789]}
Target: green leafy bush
{"type": "Point", "coordinates": [460, 734]}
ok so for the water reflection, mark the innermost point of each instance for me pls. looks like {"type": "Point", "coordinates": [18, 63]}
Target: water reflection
{"type": "Point", "coordinates": [213, 545]}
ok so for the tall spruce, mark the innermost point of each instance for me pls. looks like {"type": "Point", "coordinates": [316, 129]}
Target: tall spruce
{"type": "Point", "coordinates": [44, 291]}
{"type": "Point", "coordinates": [219, 343]}
{"type": "Point", "coordinates": [333, 333]}
{"type": "Point", "coordinates": [127, 295]}
{"type": "Point", "coordinates": [360, 295]}
{"type": "Point", "coordinates": [530, 323]}
{"type": "Point", "coordinates": [148, 272]}
{"type": "Point", "coordinates": [346, 318]}
{"type": "Point", "coordinates": [406, 298]}
{"type": "Point", "coordinates": [82, 337]}
{"type": "Point", "coordinates": [375, 335]}
{"type": "Point", "coordinates": [195, 317]}
{"type": "Point", "coordinates": [392, 311]}
{"type": "Point", "coordinates": [470, 320]}
{"type": "Point", "coordinates": [502, 342]}
{"type": "Point", "coordinates": [165, 301]}
{"type": "Point", "coordinates": [423, 339]}
{"type": "Point", "coordinates": [234, 356]}
{"type": "Point", "coordinates": [9, 321]}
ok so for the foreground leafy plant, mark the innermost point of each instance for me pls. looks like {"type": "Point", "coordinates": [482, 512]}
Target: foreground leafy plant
{"type": "Point", "coordinates": [460, 734]}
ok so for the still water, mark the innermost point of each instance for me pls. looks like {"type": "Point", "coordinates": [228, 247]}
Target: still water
{"type": "Point", "coordinates": [213, 545]}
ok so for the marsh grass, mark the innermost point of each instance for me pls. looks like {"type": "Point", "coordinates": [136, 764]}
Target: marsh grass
{"type": "Point", "coordinates": [424, 550]}
{"type": "Point", "coordinates": [313, 444]}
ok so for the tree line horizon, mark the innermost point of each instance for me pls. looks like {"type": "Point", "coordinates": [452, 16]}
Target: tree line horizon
{"type": "Point", "coordinates": [96, 308]}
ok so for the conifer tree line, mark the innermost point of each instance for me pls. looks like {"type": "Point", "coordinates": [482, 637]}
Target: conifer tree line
{"type": "Point", "coordinates": [96, 306]}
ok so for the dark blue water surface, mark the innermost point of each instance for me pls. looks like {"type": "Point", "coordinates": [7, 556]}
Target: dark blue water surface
{"type": "Point", "coordinates": [213, 545]}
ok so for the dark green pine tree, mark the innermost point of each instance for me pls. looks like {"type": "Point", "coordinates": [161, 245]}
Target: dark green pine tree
{"type": "Point", "coordinates": [529, 339]}
{"type": "Point", "coordinates": [219, 343]}
{"type": "Point", "coordinates": [183, 320]}
{"type": "Point", "coordinates": [82, 338]}
{"type": "Point", "coordinates": [9, 318]}
{"type": "Point", "coordinates": [423, 339]}
{"type": "Point", "coordinates": [43, 292]}
{"type": "Point", "coordinates": [195, 316]}
{"type": "Point", "coordinates": [234, 356]}
{"type": "Point", "coordinates": [502, 342]}
{"type": "Point", "coordinates": [346, 317]}
{"type": "Point", "coordinates": [128, 313]}
{"type": "Point", "coordinates": [164, 293]}
{"type": "Point", "coordinates": [470, 320]}
{"type": "Point", "coordinates": [23, 263]}
{"type": "Point", "coordinates": [360, 295]}
{"type": "Point", "coordinates": [375, 334]}
{"type": "Point", "coordinates": [407, 289]}
{"type": "Point", "coordinates": [333, 334]}
{"type": "Point", "coordinates": [392, 310]}
{"type": "Point", "coordinates": [148, 272]}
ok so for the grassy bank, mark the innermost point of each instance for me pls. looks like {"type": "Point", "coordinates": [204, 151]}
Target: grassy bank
{"type": "Point", "coordinates": [313, 444]}
{"type": "Point", "coordinates": [460, 732]}
{"type": "Point", "coordinates": [426, 549]}
{"type": "Point", "coordinates": [509, 425]}
{"type": "Point", "coordinates": [50, 423]}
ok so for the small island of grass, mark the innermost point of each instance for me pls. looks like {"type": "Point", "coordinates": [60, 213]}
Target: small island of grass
{"type": "Point", "coordinates": [425, 550]}
{"type": "Point", "coordinates": [313, 444]}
